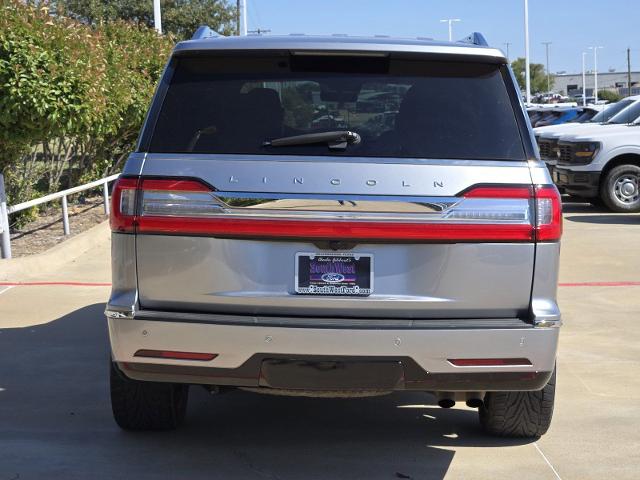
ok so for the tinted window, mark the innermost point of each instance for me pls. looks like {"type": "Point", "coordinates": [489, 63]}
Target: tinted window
{"type": "Point", "coordinates": [628, 115]}
{"type": "Point", "coordinates": [611, 110]}
{"type": "Point", "coordinates": [400, 108]}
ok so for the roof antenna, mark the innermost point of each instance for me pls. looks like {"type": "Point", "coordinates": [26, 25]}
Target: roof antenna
{"type": "Point", "coordinates": [205, 32]}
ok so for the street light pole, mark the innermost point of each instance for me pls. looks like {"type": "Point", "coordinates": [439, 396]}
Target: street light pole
{"type": "Point", "coordinates": [527, 72]}
{"type": "Point", "coordinates": [450, 22]}
{"type": "Point", "coordinates": [242, 13]}
{"type": "Point", "coordinates": [584, 80]}
{"type": "Point", "coordinates": [595, 72]}
{"type": "Point", "coordinates": [157, 16]}
{"type": "Point", "coordinates": [546, 45]}
{"type": "Point", "coordinates": [506, 44]}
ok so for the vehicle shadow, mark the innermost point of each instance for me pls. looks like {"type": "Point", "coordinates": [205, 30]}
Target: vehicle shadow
{"type": "Point", "coordinates": [587, 213]}
{"type": "Point", "coordinates": [610, 219]}
{"type": "Point", "coordinates": [56, 423]}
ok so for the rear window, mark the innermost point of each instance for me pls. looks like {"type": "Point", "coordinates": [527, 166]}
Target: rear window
{"type": "Point", "coordinates": [399, 108]}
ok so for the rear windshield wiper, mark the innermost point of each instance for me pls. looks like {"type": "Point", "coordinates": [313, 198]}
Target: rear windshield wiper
{"type": "Point", "coordinates": [335, 140]}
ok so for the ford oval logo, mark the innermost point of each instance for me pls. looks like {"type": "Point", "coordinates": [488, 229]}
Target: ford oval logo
{"type": "Point", "coordinates": [332, 277]}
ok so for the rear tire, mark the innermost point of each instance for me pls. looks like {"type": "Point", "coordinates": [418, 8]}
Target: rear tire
{"type": "Point", "coordinates": [138, 405]}
{"type": "Point", "coordinates": [620, 190]}
{"type": "Point", "coordinates": [519, 414]}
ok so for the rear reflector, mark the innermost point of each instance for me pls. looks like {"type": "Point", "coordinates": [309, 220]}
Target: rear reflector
{"type": "Point", "coordinates": [503, 213]}
{"type": "Point", "coordinates": [490, 362]}
{"type": "Point", "coordinates": [168, 354]}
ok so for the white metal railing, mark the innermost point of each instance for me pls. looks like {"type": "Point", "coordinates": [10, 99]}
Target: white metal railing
{"type": "Point", "coordinates": [6, 210]}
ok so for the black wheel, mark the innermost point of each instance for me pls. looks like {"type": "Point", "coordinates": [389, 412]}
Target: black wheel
{"type": "Point", "coordinates": [140, 405]}
{"type": "Point", "coordinates": [620, 190]}
{"type": "Point", "coordinates": [518, 414]}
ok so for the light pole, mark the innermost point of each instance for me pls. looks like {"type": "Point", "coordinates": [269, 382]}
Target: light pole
{"type": "Point", "coordinates": [450, 22]}
{"type": "Point", "coordinates": [506, 44]}
{"type": "Point", "coordinates": [242, 17]}
{"type": "Point", "coordinates": [584, 80]}
{"type": "Point", "coordinates": [595, 72]}
{"type": "Point", "coordinates": [527, 72]}
{"type": "Point", "coordinates": [157, 17]}
{"type": "Point", "coordinates": [546, 45]}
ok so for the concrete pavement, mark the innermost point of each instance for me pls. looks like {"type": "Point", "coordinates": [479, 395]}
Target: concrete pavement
{"type": "Point", "coordinates": [55, 419]}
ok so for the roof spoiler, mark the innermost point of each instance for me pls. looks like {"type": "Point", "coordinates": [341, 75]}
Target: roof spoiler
{"type": "Point", "coordinates": [205, 32]}
{"type": "Point", "coordinates": [476, 38]}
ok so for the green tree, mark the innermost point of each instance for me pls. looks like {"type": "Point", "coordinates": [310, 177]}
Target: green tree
{"type": "Point", "coordinates": [179, 17]}
{"type": "Point", "coordinates": [537, 72]}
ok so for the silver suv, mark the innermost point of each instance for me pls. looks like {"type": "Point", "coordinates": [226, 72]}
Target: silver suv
{"type": "Point", "coordinates": [336, 216]}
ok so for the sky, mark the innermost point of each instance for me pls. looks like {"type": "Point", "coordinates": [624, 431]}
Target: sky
{"type": "Point", "coordinates": [571, 25]}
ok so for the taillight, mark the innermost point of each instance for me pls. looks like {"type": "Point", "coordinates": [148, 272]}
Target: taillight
{"type": "Point", "coordinates": [509, 213]}
{"type": "Point", "coordinates": [548, 213]}
{"type": "Point", "coordinates": [123, 205]}
{"type": "Point", "coordinates": [547, 220]}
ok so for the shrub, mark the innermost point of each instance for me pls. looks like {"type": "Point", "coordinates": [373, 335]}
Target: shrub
{"type": "Point", "coordinates": [72, 96]}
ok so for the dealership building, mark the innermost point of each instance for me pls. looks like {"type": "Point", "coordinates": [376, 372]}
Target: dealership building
{"type": "Point", "coordinates": [571, 83]}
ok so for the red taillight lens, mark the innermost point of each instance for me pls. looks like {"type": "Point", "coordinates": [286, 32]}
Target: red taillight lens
{"type": "Point", "coordinates": [502, 213]}
{"type": "Point", "coordinates": [500, 192]}
{"type": "Point", "coordinates": [174, 185]}
{"type": "Point", "coordinates": [490, 362]}
{"type": "Point", "coordinates": [173, 355]}
{"type": "Point", "coordinates": [548, 213]}
{"type": "Point", "coordinates": [123, 205]}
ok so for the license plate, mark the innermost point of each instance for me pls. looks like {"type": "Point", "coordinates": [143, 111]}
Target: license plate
{"type": "Point", "coordinates": [334, 274]}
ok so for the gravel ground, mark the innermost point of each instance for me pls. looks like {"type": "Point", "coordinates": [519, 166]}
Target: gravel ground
{"type": "Point", "coordinates": [46, 231]}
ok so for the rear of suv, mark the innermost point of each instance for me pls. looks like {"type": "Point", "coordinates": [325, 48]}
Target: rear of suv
{"type": "Point", "coordinates": [335, 216]}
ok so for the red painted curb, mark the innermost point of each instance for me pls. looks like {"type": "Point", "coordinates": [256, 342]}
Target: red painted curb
{"type": "Point", "coordinates": [101, 284]}
{"type": "Point", "coordinates": [600, 284]}
{"type": "Point", "coordinates": [72, 284]}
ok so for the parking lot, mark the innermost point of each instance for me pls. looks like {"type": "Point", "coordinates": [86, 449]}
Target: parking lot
{"type": "Point", "coordinates": [55, 419]}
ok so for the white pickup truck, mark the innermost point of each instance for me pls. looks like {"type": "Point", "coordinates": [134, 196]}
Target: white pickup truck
{"type": "Point", "coordinates": [602, 164]}
{"type": "Point", "coordinates": [547, 137]}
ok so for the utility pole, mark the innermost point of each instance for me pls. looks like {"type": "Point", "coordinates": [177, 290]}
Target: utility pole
{"type": "Point", "coordinates": [506, 44]}
{"type": "Point", "coordinates": [157, 16]}
{"type": "Point", "coordinates": [450, 22]}
{"type": "Point", "coordinates": [584, 80]}
{"type": "Point", "coordinates": [628, 72]}
{"type": "Point", "coordinates": [527, 71]}
{"type": "Point", "coordinates": [238, 17]}
{"type": "Point", "coordinates": [595, 72]}
{"type": "Point", "coordinates": [546, 45]}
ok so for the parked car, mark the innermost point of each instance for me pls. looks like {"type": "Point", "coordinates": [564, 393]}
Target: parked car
{"type": "Point", "coordinates": [560, 116]}
{"type": "Point", "coordinates": [254, 249]}
{"type": "Point", "coordinates": [553, 114]}
{"type": "Point", "coordinates": [548, 137]}
{"type": "Point", "coordinates": [603, 165]}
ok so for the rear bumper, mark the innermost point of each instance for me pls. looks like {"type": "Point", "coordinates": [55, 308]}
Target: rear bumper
{"type": "Point", "coordinates": [337, 358]}
{"type": "Point", "coordinates": [583, 184]}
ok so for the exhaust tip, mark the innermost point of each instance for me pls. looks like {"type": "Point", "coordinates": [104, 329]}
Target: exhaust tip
{"type": "Point", "coordinates": [446, 402]}
{"type": "Point", "coordinates": [474, 402]}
